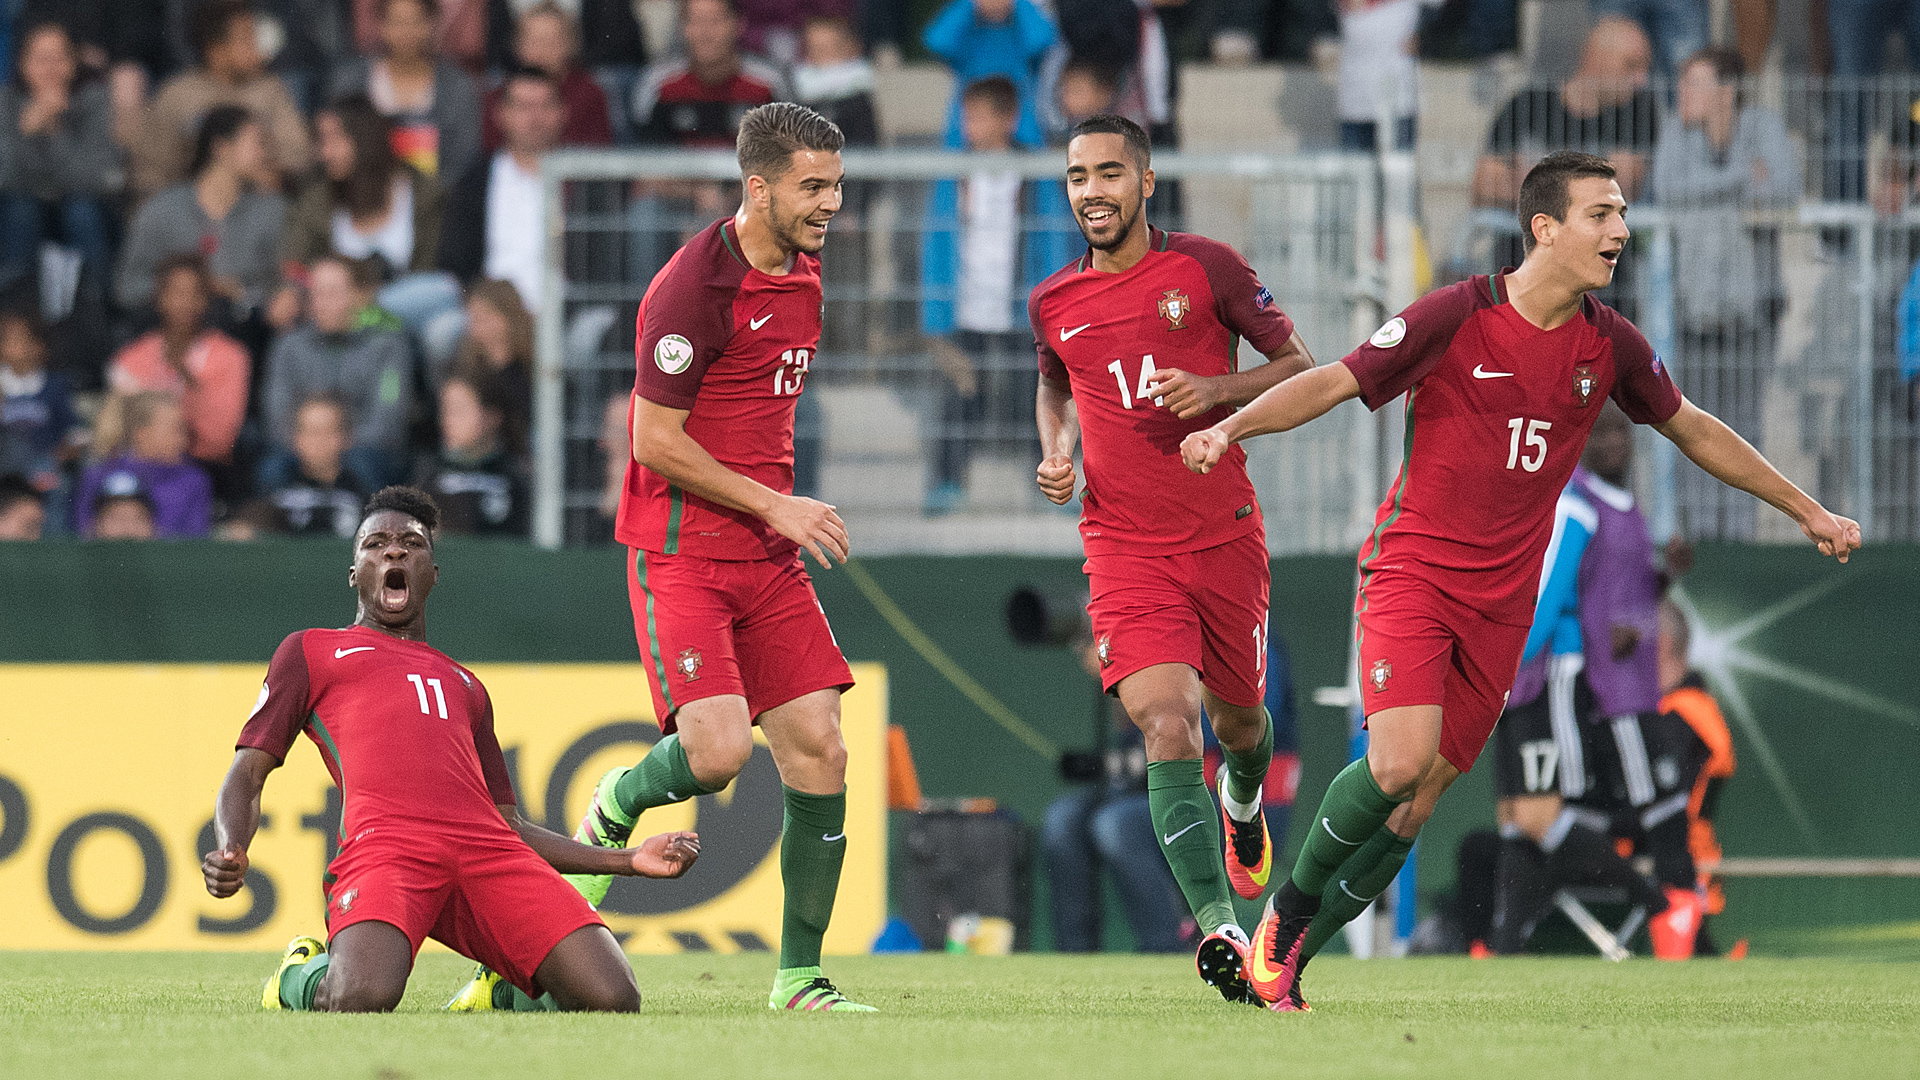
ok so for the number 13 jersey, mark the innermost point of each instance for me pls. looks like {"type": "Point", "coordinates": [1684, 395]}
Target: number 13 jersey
{"type": "Point", "coordinates": [1185, 305]}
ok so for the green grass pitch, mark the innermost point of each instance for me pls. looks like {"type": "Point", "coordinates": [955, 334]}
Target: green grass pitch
{"type": "Point", "coordinates": [197, 1015]}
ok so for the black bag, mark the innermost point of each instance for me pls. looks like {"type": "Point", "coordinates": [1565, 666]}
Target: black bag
{"type": "Point", "coordinates": [959, 863]}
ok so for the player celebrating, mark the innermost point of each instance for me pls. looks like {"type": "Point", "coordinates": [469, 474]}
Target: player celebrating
{"type": "Point", "coordinates": [433, 844]}
{"type": "Point", "coordinates": [1137, 342]}
{"type": "Point", "coordinates": [1504, 376]}
{"type": "Point", "coordinates": [729, 628]}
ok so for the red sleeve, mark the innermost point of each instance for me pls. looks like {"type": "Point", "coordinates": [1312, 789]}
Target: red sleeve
{"type": "Point", "coordinates": [684, 326]}
{"type": "Point", "coordinates": [280, 713]}
{"type": "Point", "coordinates": [1641, 385]}
{"type": "Point", "coordinates": [1402, 351]}
{"type": "Point", "coordinates": [493, 764]}
{"type": "Point", "coordinates": [1241, 303]}
{"type": "Point", "coordinates": [1052, 368]}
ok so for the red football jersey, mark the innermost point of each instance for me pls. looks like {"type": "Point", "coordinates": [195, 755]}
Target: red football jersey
{"type": "Point", "coordinates": [1498, 413]}
{"type": "Point", "coordinates": [1186, 305]}
{"type": "Point", "coordinates": [406, 732]}
{"type": "Point", "coordinates": [731, 345]}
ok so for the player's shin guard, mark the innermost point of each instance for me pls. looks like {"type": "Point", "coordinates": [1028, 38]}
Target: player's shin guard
{"type": "Point", "coordinates": [1353, 809]}
{"type": "Point", "coordinates": [662, 777]}
{"type": "Point", "coordinates": [813, 844]}
{"type": "Point", "coordinates": [1183, 819]}
{"type": "Point", "coordinates": [1364, 876]}
{"type": "Point", "coordinates": [1247, 769]}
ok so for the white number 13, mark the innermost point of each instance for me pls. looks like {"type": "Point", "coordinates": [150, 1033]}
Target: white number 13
{"type": "Point", "coordinates": [1536, 443]}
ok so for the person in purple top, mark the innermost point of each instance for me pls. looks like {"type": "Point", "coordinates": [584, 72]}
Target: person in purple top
{"type": "Point", "coordinates": [147, 455]}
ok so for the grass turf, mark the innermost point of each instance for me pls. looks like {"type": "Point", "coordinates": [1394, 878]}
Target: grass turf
{"type": "Point", "coordinates": [194, 1015]}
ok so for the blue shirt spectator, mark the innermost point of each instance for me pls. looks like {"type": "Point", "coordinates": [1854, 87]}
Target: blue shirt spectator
{"type": "Point", "coordinates": [979, 38]}
{"type": "Point", "coordinates": [37, 423]}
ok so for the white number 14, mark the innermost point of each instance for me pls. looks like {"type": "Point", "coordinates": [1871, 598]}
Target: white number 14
{"type": "Point", "coordinates": [1536, 444]}
{"type": "Point", "coordinates": [1128, 397]}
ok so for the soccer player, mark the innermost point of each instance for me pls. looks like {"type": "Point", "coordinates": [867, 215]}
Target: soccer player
{"type": "Point", "coordinates": [1138, 343]}
{"type": "Point", "coordinates": [729, 628]}
{"type": "Point", "coordinates": [1504, 376]}
{"type": "Point", "coordinates": [432, 843]}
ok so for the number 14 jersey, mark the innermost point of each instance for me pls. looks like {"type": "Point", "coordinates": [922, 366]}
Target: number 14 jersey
{"type": "Point", "coordinates": [1185, 305]}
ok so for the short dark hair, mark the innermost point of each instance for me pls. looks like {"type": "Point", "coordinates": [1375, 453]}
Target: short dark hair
{"type": "Point", "coordinates": [524, 72]}
{"type": "Point", "coordinates": [15, 488]}
{"type": "Point", "coordinates": [996, 92]}
{"type": "Point", "coordinates": [408, 500]}
{"type": "Point", "coordinates": [770, 134]}
{"type": "Point", "coordinates": [191, 262]}
{"type": "Point", "coordinates": [1110, 124]}
{"type": "Point", "coordinates": [1544, 191]}
{"type": "Point", "coordinates": [429, 8]}
{"type": "Point", "coordinates": [1104, 75]}
{"type": "Point", "coordinates": [212, 21]}
{"type": "Point", "coordinates": [220, 124]}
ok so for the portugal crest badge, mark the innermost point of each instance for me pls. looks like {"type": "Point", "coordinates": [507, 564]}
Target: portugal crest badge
{"type": "Point", "coordinates": [1104, 647]}
{"type": "Point", "coordinates": [1174, 308]}
{"type": "Point", "coordinates": [1582, 385]}
{"type": "Point", "coordinates": [689, 664]}
{"type": "Point", "coordinates": [1382, 671]}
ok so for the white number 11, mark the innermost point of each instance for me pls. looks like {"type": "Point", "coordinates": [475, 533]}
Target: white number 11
{"type": "Point", "coordinates": [439, 696]}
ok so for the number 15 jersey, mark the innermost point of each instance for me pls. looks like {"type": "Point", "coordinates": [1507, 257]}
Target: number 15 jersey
{"type": "Point", "coordinates": [1185, 305]}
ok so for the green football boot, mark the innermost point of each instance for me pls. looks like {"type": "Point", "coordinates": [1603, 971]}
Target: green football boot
{"type": "Point", "coordinates": [605, 825]}
{"type": "Point", "coordinates": [806, 990]}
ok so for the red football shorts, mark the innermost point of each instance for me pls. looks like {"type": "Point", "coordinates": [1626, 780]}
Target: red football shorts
{"type": "Point", "coordinates": [488, 898]}
{"type": "Point", "coordinates": [709, 627]}
{"type": "Point", "coordinates": [1421, 647]}
{"type": "Point", "coordinates": [1206, 609]}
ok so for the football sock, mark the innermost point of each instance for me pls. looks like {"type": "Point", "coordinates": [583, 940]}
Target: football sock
{"type": "Point", "coordinates": [662, 777]}
{"type": "Point", "coordinates": [1247, 771]}
{"type": "Point", "coordinates": [1353, 810]}
{"type": "Point", "coordinates": [1365, 876]}
{"type": "Point", "coordinates": [1189, 835]}
{"type": "Point", "coordinates": [1521, 892]}
{"type": "Point", "coordinates": [299, 984]}
{"type": "Point", "coordinates": [813, 844]}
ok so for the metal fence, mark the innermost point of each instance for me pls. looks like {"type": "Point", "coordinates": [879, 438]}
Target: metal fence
{"type": "Point", "coordinates": [926, 442]}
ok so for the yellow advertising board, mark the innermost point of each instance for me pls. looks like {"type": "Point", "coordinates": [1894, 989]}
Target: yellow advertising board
{"type": "Point", "coordinates": [108, 774]}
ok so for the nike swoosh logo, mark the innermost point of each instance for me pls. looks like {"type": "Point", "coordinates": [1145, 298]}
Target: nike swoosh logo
{"type": "Point", "coordinates": [1171, 837]}
{"type": "Point", "coordinates": [1327, 824]}
{"type": "Point", "coordinates": [1066, 333]}
{"type": "Point", "coordinates": [831, 839]}
{"type": "Point", "coordinates": [759, 322]}
{"type": "Point", "coordinates": [1480, 373]}
{"type": "Point", "coordinates": [338, 653]}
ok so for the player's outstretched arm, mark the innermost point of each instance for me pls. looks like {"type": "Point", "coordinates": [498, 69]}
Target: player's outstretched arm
{"type": "Point", "coordinates": [1720, 450]}
{"type": "Point", "coordinates": [661, 443]}
{"type": "Point", "coordinates": [1188, 395]}
{"type": "Point", "coordinates": [1286, 406]}
{"type": "Point", "coordinates": [1053, 410]}
{"type": "Point", "coordinates": [236, 816]}
{"type": "Point", "coordinates": [667, 855]}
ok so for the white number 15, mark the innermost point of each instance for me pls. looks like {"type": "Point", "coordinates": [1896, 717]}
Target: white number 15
{"type": "Point", "coordinates": [1536, 443]}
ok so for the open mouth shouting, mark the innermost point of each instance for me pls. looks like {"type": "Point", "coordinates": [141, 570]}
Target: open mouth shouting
{"type": "Point", "coordinates": [393, 590]}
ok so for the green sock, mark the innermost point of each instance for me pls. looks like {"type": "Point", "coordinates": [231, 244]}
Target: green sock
{"type": "Point", "coordinates": [1364, 876]}
{"type": "Point", "coordinates": [1352, 811]}
{"type": "Point", "coordinates": [511, 998]}
{"type": "Point", "coordinates": [1247, 770]}
{"type": "Point", "coordinates": [662, 777]}
{"type": "Point", "coordinates": [1184, 820]}
{"type": "Point", "coordinates": [299, 984]}
{"type": "Point", "coordinates": [813, 844]}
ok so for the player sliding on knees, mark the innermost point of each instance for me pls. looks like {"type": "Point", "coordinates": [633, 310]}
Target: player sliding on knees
{"type": "Point", "coordinates": [1504, 376]}
{"type": "Point", "coordinates": [1137, 344]}
{"type": "Point", "coordinates": [433, 841]}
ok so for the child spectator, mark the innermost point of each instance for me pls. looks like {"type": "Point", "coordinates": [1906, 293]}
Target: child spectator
{"type": "Point", "coordinates": [434, 104]}
{"type": "Point", "coordinates": [126, 513]}
{"type": "Point", "coordinates": [219, 214]}
{"type": "Point", "coordinates": [834, 80]}
{"type": "Point", "coordinates": [322, 497]}
{"type": "Point", "coordinates": [39, 433]}
{"type": "Point", "coordinates": [202, 368]}
{"type": "Point", "coordinates": [142, 443]}
{"type": "Point", "coordinates": [547, 38]}
{"type": "Point", "coordinates": [979, 38]}
{"type": "Point", "coordinates": [476, 477]}
{"type": "Point", "coordinates": [696, 99]}
{"type": "Point", "coordinates": [58, 163]}
{"type": "Point", "coordinates": [23, 509]}
{"type": "Point", "coordinates": [776, 29]}
{"type": "Point", "coordinates": [1083, 88]}
{"type": "Point", "coordinates": [499, 339]}
{"type": "Point", "coordinates": [370, 369]}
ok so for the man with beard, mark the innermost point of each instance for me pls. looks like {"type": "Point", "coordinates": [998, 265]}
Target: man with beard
{"type": "Point", "coordinates": [1138, 344]}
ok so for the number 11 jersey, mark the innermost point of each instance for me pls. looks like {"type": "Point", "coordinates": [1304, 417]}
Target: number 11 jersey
{"type": "Point", "coordinates": [1185, 305]}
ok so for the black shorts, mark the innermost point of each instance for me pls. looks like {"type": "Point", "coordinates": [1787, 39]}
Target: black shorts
{"type": "Point", "coordinates": [1643, 766]}
{"type": "Point", "coordinates": [1538, 746]}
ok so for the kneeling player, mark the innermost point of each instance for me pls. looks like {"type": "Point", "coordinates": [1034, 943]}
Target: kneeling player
{"type": "Point", "coordinates": [433, 842]}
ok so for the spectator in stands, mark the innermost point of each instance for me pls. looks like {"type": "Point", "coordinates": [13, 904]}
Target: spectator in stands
{"type": "Point", "coordinates": [1675, 29]}
{"type": "Point", "coordinates": [1858, 31]}
{"type": "Point", "coordinates": [978, 262]}
{"type": "Point", "coordinates": [494, 228]}
{"type": "Point", "coordinates": [776, 29]}
{"type": "Point", "coordinates": [220, 213]}
{"type": "Point", "coordinates": [477, 477]}
{"type": "Point", "coordinates": [206, 371]}
{"type": "Point", "coordinates": [548, 39]}
{"type": "Point", "coordinates": [981, 38]}
{"type": "Point", "coordinates": [1379, 73]}
{"type": "Point", "coordinates": [127, 514]}
{"type": "Point", "coordinates": [834, 80]}
{"type": "Point", "coordinates": [434, 105]}
{"type": "Point", "coordinates": [141, 441]}
{"type": "Point", "coordinates": [499, 340]}
{"type": "Point", "coordinates": [696, 99]}
{"type": "Point", "coordinates": [108, 35]}
{"type": "Point", "coordinates": [455, 29]}
{"type": "Point", "coordinates": [23, 509]}
{"type": "Point", "coordinates": [369, 369]}
{"type": "Point", "coordinates": [1129, 38]}
{"type": "Point", "coordinates": [39, 433]}
{"type": "Point", "coordinates": [1082, 88]}
{"type": "Point", "coordinates": [161, 139]}
{"type": "Point", "coordinates": [321, 496]}
{"type": "Point", "coordinates": [58, 162]}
